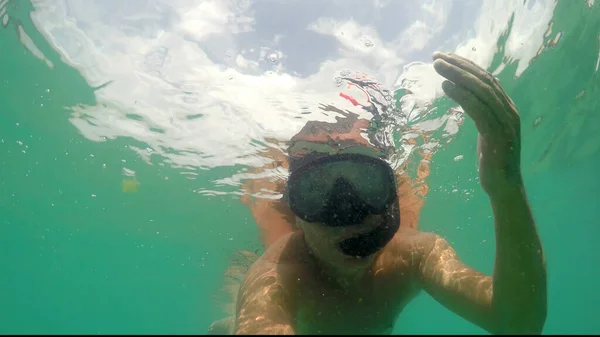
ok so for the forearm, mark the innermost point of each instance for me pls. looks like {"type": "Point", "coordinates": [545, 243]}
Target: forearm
{"type": "Point", "coordinates": [519, 285]}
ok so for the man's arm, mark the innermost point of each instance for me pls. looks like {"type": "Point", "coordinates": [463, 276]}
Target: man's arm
{"type": "Point", "coordinates": [273, 216]}
{"type": "Point", "coordinates": [412, 194]}
{"type": "Point", "coordinates": [263, 306]}
{"type": "Point", "coordinates": [520, 296]}
{"type": "Point", "coordinates": [514, 300]}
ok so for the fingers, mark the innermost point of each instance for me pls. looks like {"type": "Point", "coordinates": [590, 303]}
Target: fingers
{"type": "Point", "coordinates": [469, 81]}
{"type": "Point", "coordinates": [467, 65]}
{"type": "Point", "coordinates": [502, 112]}
{"type": "Point", "coordinates": [480, 113]}
{"type": "Point", "coordinates": [484, 76]}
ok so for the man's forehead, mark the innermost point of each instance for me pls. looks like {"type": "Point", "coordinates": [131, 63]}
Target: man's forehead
{"type": "Point", "coordinates": [300, 147]}
{"type": "Point", "coordinates": [335, 135]}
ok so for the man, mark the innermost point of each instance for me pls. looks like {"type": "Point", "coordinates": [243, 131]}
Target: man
{"type": "Point", "coordinates": [274, 217]}
{"type": "Point", "coordinates": [354, 266]}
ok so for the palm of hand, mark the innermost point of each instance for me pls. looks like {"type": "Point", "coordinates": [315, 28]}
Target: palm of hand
{"type": "Point", "coordinates": [494, 114]}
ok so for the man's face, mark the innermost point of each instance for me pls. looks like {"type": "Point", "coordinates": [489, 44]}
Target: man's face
{"type": "Point", "coordinates": [345, 202]}
{"type": "Point", "coordinates": [327, 240]}
{"type": "Point", "coordinates": [337, 242]}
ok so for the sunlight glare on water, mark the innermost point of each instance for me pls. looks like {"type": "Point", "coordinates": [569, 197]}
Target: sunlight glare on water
{"type": "Point", "coordinates": [208, 81]}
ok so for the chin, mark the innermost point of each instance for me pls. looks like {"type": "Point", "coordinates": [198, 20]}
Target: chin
{"type": "Point", "coordinates": [358, 260]}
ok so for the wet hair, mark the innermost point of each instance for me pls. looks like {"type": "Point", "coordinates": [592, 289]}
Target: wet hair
{"type": "Point", "coordinates": [329, 133]}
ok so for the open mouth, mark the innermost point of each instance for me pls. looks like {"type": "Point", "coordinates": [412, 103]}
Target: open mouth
{"type": "Point", "coordinates": [367, 244]}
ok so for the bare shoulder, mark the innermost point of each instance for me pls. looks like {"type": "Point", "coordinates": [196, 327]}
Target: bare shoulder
{"type": "Point", "coordinates": [270, 270]}
{"type": "Point", "coordinates": [414, 240]}
{"type": "Point", "coordinates": [276, 249]}
{"type": "Point", "coordinates": [284, 255]}
{"type": "Point", "coordinates": [409, 247]}
{"type": "Point", "coordinates": [265, 302]}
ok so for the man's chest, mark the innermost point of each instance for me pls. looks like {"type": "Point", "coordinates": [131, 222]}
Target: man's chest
{"type": "Point", "coordinates": [371, 309]}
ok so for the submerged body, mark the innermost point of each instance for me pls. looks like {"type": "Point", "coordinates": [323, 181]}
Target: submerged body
{"type": "Point", "coordinates": [332, 268]}
{"type": "Point", "coordinates": [367, 304]}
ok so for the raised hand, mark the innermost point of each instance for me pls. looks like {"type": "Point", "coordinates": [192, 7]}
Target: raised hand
{"type": "Point", "coordinates": [495, 115]}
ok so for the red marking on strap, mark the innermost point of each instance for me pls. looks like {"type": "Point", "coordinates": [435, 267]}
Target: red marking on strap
{"type": "Point", "coordinates": [350, 98]}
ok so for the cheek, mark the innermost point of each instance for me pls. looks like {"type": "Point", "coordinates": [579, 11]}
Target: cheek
{"type": "Point", "coordinates": [324, 234]}
{"type": "Point", "coordinates": [321, 234]}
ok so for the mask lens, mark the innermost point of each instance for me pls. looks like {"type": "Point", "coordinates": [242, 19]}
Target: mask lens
{"type": "Point", "coordinates": [311, 190]}
{"type": "Point", "coordinates": [371, 181]}
{"type": "Point", "coordinates": [310, 187]}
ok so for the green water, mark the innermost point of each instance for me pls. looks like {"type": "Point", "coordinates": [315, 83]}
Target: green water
{"type": "Point", "coordinates": [81, 256]}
